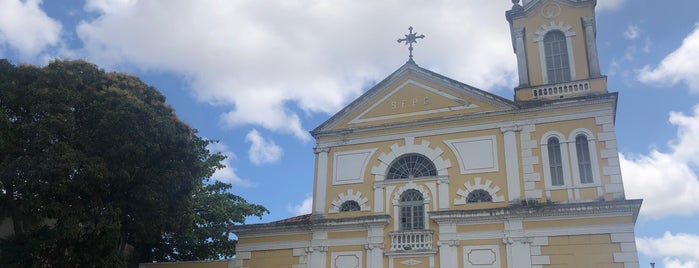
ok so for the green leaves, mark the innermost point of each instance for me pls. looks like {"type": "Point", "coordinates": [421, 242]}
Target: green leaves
{"type": "Point", "coordinates": [95, 168]}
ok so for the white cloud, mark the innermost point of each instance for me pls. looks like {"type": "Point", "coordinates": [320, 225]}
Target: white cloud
{"type": "Point", "coordinates": [304, 208]}
{"type": "Point", "coordinates": [27, 28]}
{"type": "Point", "coordinates": [677, 250]}
{"type": "Point", "coordinates": [228, 173]}
{"type": "Point", "coordinates": [609, 5]}
{"type": "Point", "coordinates": [632, 32]}
{"type": "Point", "coordinates": [262, 151]}
{"type": "Point", "coordinates": [682, 65]}
{"type": "Point", "coordinates": [268, 60]}
{"type": "Point", "coordinates": [666, 180]}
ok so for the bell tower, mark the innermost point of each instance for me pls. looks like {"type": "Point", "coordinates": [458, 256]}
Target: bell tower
{"type": "Point", "coordinates": [556, 48]}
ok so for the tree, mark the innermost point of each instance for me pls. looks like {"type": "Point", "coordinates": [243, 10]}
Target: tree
{"type": "Point", "coordinates": [97, 170]}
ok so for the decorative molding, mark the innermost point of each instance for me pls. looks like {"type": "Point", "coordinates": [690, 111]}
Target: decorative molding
{"type": "Point", "coordinates": [476, 154]}
{"type": "Point", "coordinates": [411, 262]}
{"type": "Point", "coordinates": [486, 256]}
{"type": "Point", "coordinates": [349, 166]}
{"type": "Point", "coordinates": [349, 196]}
{"type": "Point", "coordinates": [487, 186]}
{"type": "Point", "coordinates": [386, 159]}
{"type": "Point", "coordinates": [408, 186]}
{"type": "Point", "coordinates": [346, 259]}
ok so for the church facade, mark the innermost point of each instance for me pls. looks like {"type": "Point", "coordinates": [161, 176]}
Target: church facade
{"type": "Point", "coordinates": [425, 171]}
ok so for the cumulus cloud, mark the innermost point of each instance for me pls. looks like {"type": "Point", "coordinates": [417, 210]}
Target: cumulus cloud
{"type": "Point", "coordinates": [228, 173]}
{"type": "Point", "coordinates": [261, 150]}
{"type": "Point", "coordinates": [26, 28]}
{"type": "Point", "coordinates": [677, 250]}
{"type": "Point", "coordinates": [632, 32]}
{"type": "Point", "coordinates": [667, 180]}
{"type": "Point", "coordinates": [269, 62]}
{"type": "Point", "coordinates": [609, 5]}
{"type": "Point", "coordinates": [303, 208]}
{"type": "Point", "coordinates": [682, 65]}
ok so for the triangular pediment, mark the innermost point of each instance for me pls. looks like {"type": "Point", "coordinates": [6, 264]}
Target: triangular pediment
{"type": "Point", "coordinates": [414, 94]}
{"type": "Point", "coordinates": [410, 99]}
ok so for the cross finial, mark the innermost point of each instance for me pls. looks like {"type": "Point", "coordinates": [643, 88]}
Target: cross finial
{"type": "Point", "coordinates": [409, 39]}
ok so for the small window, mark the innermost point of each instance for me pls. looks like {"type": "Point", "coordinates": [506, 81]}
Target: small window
{"type": "Point", "coordinates": [412, 210]}
{"type": "Point", "coordinates": [349, 205]}
{"type": "Point", "coordinates": [479, 196]}
{"type": "Point", "coordinates": [555, 161]}
{"type": "Point", "coordinates": [411, 166]}
{"type": "Point", "coordinates": [584, 164]}
{"type": "Point", "coordinates": [556, 51]}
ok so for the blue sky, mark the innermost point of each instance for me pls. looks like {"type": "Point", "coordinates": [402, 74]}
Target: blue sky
{"type": "Point", "coordinates": [258, 75]}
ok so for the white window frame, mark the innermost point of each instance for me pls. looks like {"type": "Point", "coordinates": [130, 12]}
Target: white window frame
{"type": "Point", "coordinates": [564, 161]}
{"type": "Point", "coordinates": [591, 144]}
{"type": "Point", "coordinates": [569, 33]}
{"type": "Point", "coordinates": [397, 204]}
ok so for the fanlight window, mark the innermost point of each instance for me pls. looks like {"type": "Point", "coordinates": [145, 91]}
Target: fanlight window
{"type": "Point", "coordinates": [412, 210]}
{"type": "Point", "coordinates": [557, 63]}
{"type": "Point", "coordinates": [349, 205]}
{"type": "Point", "coordinates": [478, 196]}
{"type": "Point", "coordinates": [411, 166]}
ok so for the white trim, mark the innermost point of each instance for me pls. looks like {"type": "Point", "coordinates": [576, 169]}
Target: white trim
{"type": "Point", "coordinates": [321, 180]}
{"type": "Point", "coordinates": [564, 161]}
{"type": "Point", "coordinates": [541, 33]}
{"type": "Point", "coordinates": [487, 186]}
{"type": "Point", "coordinates": [349, 196]}
{"type": "Point", "coordinates": [340, 174]}
{"type": "Point", "coordinates": [468, 254]}
{"type": "Point", "coordinates": [514, 186]}
{"type": "Point", "coordinates": [467, 105]}
{"type": "Point", "coordinates": [467, 128]}
{"type": "Point", "coordinates": [594, 162]}
{"type": "Point", "coordinates": [396, 203]}
{"type": "Point", "coordinates": [463, 148]}
{"type": "Point", "coordinates": [337, 254]}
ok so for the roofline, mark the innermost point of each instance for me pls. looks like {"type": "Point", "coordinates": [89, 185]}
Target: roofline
{"type": "Point", "coordinates": [486, 96]}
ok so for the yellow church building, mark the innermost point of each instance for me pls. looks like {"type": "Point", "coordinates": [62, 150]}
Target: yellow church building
{"type": "Point", "coordinates": [425, 171]}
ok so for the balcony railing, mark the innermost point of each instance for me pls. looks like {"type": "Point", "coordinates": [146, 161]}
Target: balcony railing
{"type": "Point", "coordinates": [411, 240]}
{"type": "Point", "coordinates": [570, 88]}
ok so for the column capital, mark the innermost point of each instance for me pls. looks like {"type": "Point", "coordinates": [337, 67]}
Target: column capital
{"type": "Point", "coordinates": [316, 249]}
{"type": "Point", "coordinates": [448, 243]}
{"type": "Point", "coordinates": [513, 128]}
{"type": "Point", "coordinates": [321, 150]}
{"type": "Point", "coordinates": [588, 21]}
{"type": "Point", "coordinates": [512, 240]}
{"type": "Point", "coordinates": [372, 246]}
{"type": "Point", "coordinates": [519, 33]}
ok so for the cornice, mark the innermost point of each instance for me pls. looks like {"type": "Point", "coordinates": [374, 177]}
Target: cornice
{"type": "Point", "coordinates": [521, 110]}
{"type": "Point", "coordinates": [307, 226]}
{"type": "Point", "coordinates": [561, 211]}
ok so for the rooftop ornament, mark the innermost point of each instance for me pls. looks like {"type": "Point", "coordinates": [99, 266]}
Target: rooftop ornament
{"type": "Point", "coordinates": [409, 39]}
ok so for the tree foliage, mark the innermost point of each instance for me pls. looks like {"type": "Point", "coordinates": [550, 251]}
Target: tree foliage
{"type": "Point", "coordinates": [97, 170]}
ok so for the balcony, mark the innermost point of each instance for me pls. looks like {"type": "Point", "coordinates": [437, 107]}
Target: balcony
{"type": "Point", "coordinates": [411, 240]}
{"type": "Point", "coordinates": [562, 89]}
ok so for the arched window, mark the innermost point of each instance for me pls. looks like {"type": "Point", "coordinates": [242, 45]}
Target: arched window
{"type": "Point", "coordinates": [479, 195]}
{"type": "Point", "coordinates": [555, 161]}
{"type": "Point", "coordinates": [556, 52]}
{"type": "Point", "coordinates": [411, 166]}
{"type": "Point", "coordinates": [412, 210]}
{"type": "Point", "coordinates": [584, 163]}
{"type": "Point", "coordinates": [350, 205]}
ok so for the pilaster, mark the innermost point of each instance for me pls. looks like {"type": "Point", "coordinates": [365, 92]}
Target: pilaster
{"type": "Point", "coordinates": [591, 44]}
{"type": "Point", "coordinates": [321, 181]}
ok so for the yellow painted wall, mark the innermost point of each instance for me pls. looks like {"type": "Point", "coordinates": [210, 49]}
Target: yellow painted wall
{"type": "Point", "coordinates": [271, 259]}
{"type": "Point", "coordinates": [581, 251]}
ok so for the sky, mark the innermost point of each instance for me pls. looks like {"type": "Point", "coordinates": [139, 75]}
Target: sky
{"type": "Point", "coordinates": [258, 75]}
